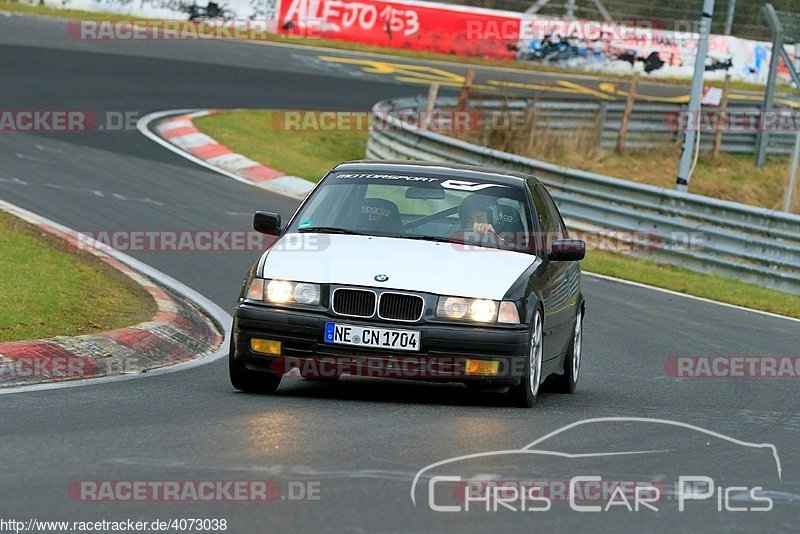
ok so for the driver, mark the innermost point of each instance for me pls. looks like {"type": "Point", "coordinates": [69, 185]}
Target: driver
{"type": "Point", "coordinates": [477, 212]}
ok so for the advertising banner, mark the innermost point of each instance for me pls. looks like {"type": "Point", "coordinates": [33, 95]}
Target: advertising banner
{"type": "Point", "coordinates": [413, 25]}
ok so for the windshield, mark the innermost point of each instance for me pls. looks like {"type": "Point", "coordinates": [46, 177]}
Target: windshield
{"type": "Point", "coordinates": [418, 207]}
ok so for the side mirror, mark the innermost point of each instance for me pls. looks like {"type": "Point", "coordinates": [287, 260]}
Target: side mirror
{"type": "Point", "coordinates": [567, 250]}
{"type": "Point", "coordinates": [267, 222]}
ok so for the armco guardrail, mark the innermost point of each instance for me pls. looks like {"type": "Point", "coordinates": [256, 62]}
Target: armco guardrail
{"type": "Point", "coordinates": [650, 125]}
{"type": "Point", "coordinates": [753, 244]}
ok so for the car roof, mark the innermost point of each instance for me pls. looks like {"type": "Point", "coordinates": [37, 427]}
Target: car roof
{"type": "Point", "coordinates": [451, 170]}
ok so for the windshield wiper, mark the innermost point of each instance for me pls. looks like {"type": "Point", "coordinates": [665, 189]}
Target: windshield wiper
{"type": "Point", "coordinates": [437, 239]}
{"type": "Point", "coordinates": [328, 230]}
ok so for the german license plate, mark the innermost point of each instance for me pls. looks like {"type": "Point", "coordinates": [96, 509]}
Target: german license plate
{"type": "Point", "coordinates": [368, 336]}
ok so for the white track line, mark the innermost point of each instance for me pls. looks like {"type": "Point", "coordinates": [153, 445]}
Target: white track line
{"type": "Point", "coordinates": [143, 126]}
{"type": "Point", "coordinates": [220, 316]}
{"type": "Point", "coordinates": [285, 185]}
{"type": "Point", "coordinates": [693, 297]}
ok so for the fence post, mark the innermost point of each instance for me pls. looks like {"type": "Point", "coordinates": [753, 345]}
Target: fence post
{"type": "Point", "coordinates": [433, 92]}
{"type": "Point", "coordinates": [723, 107]}
{"type": "Point", "coordinates": [789, 195]}
{"type": "Point", "coordinates": [626, 117]}
{"type": "Point", "coordinates": [463, 97]}
{"type": "Point", "coordinates": [600, 121]}
{"type": "Point", "coordinates": [508, 133]}
{"type": "Point", "coordinates": [762, 142]}
{"type": "Point", "coordinates": [530, 119]}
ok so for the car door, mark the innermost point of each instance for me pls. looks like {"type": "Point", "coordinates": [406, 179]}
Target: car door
{"type": "Point", "coordinates": [559, 292]}
{"type": "Point", "coordinates": [569, 276]}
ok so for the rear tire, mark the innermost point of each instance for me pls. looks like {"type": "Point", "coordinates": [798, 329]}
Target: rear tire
{"type": "Point", "coordinates": [568, 382]}
{"type": "Point", "coordinates": [526, 392]}
{"type": "Point", "coordinates": [249, 381]}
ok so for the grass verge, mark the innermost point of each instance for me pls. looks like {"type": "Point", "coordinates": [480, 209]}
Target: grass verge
{"type": "Point", "coordinates": [49, 289]}
{"type": "Point", "coordinates": [308, 154]}
{"type": "Point", "coordinates": [17, 7]}
{"type": "Point", "coordinates": [311, 154]}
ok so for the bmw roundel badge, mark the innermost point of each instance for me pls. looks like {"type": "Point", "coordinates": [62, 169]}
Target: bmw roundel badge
{"type": "Point", "coordinates": [381, 278]}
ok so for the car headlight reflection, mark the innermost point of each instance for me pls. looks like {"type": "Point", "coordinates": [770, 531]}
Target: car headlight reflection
{"type": "Point", "coordinates": [477, 310]}
{"type": "Point", "coordinates": [284, 292]}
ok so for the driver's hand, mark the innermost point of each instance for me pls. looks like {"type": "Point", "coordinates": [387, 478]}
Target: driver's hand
{"type": "Point", "coordinates": [483, 228]}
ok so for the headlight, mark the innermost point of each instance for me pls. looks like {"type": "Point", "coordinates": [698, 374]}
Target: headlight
{"type": "Point", "coordinates": [306, 293]}
{"type": "Point", "coordinates": [279, 292]}
{"type": "Point", "coordinates": [483, 310]}
{"type": "Point", "coordinates": [477, 310]}
{"type": "Point", "coordinates": [452, 307]}
{"type": "Point", "coordinates": [284, 292]}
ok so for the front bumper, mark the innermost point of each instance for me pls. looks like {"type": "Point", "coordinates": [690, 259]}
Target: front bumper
{"type": "Point", "coordinates": [443, 352]}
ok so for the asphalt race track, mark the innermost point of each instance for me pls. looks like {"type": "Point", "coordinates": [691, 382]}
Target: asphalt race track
{"type": "Point", "coordinates": [361, 440]}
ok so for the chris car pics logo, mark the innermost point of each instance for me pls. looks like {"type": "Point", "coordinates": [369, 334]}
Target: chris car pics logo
{"type": "Point", "coordinates": [456, 484]}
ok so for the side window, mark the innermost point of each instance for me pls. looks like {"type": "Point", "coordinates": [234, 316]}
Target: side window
{"type": "Point", "coordinates": [550, 222]}
{"type": "Point", "coordinates": [541, 209]}
{"type": "Point", "coordinates": [556, 221]}
{"type": "Point", "coordinates": [544, 220]}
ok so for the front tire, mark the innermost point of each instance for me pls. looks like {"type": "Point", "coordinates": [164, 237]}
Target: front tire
{"type": "Point", "coordinates": [249, 381]}
{"type": "Point", "coordinates": [568, 382]}
{"type": "Point", "coordinates": [526, 392]}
